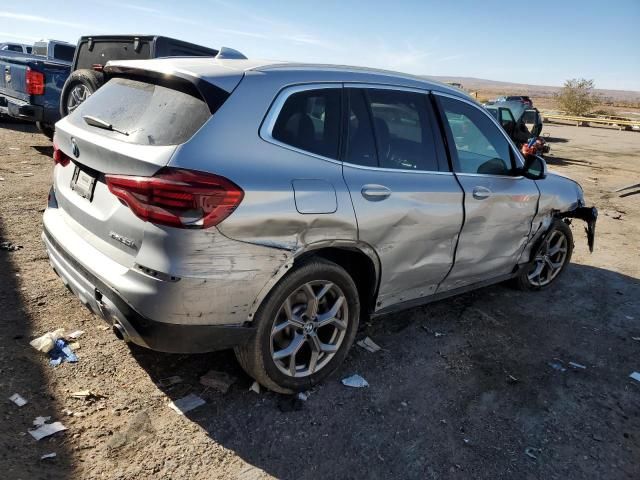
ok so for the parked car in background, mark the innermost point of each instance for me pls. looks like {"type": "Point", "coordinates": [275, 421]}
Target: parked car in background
{"type": "Point", "coordinates": [30, 84]}
{"type": "Point", "coordinates": [519, 98]}
{"type": "Point", "coordinates": [93, 52]}
{"type": "Point", "coordinates": [200, 204]}
{"type": "Point", "coordinates": [15, 47]}
{"type": "Point", "coordinates": [520, 122]}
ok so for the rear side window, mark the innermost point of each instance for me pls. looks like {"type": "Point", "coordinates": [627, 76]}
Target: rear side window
{"type": "Point", "coordinates": [310, 120]}
{"type": "Point", "coordinates": [480, 146]}
{"type": "Point", "coordinates": [151, 114]}
{"type": "Point", "coordinates": [63, 52]}
{"type": "Point", "coordinates": [403, 134]}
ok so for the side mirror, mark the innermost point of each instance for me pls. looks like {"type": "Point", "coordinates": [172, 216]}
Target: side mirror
{"type": "Point", "coordinates": [535, 167]}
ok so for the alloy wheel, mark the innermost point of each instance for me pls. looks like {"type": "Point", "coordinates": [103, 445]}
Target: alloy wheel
{"type": "Point", "coordinates": [549, 259]}
{"type": "Point", "coordinates": [309, 328]}
{"type": "Point", "coordinates": [78, 94]}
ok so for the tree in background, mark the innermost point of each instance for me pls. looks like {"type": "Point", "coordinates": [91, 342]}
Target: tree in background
{"type": "Point", "coordinates": [577, 97]}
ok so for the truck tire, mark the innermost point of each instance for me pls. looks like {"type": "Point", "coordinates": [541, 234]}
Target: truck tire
{"type": "Point", "coordinates": [47, 129]}
{"type": "Point", "coordinates": [80, 85]}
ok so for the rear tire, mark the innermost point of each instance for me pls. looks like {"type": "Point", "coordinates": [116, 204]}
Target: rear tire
{"type": "Point", "coordinates": [550, 259]}
{"type": "Point", "coordinates": [80, 85]}
{"type": "Point", "coordinates": [320, 332]}
{"type": "Point", "coordinates": [46, 129]}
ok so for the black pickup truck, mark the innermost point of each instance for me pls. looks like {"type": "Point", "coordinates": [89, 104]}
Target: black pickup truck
{"type": "Point", "coordinates": [93, 52]}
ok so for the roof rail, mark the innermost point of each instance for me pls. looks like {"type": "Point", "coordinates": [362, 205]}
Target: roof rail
{"type": "Point", "coordinates": [226, 53]}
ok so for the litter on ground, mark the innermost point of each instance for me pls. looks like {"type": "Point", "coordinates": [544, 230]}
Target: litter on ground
{"type": "Point", "coordinates": [8, 246]}
{"type": "Point", "coordinates": [46, 342]}
{"type": "Point", "coordinates": [61, 352]}
{"type": "Point", "coordinates": [255, 387]}
{"type": "Point", "coordinates": [48, 455]}
{"type": "Point", "coordinates": [531, 452]}
{"type": "Point", "coordinates": [557, 366]}
{"type": "Point", "coordinates": [369, 345]}
{"type": "Point", "coordinates": [186, 404]}
{"type": "Point", "coordinates": [355, 381]}
{"type": "Point", "coordinates": [577, 365]}
{"type": "Point", "coordinates": [86, 395]}
{"type": "Point", "coordinates": [46, 430]}
{"type": "Point", "coordinates": [220, 381]}
{"type": "Point", "coordinates": [635, 376]}
{"type": "Point", "coordinates": [18, 399]}
{"type": "Point", "coordinates": [169, 381]}
{"type": "Point", "coordinates": [39, 421]}
{"type": "Point", "coordinates": [75, 334]}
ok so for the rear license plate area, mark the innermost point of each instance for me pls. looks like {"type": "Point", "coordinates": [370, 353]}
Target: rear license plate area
{"type": "Point", "coordinates": [83, 182]}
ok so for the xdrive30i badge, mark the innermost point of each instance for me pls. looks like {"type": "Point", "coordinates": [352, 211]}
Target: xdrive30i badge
{"type": "Point", "coordinates": [124, 240]}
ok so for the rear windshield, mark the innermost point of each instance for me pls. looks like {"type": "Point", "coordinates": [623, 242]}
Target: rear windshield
{"type": "Point", "coordinates": [103, 51]}
{"type": "Point", "coordinates": [63, 52]}
{"type": "Point", "coordinates": [151, 114]}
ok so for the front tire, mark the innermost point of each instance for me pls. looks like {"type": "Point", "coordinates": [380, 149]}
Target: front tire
{"type": "Point", "coordinates": [305, 328]}
{"type": "Point", "coordinates": [551, 257]}
{"type": "Point", "coordinates": [46, 129]}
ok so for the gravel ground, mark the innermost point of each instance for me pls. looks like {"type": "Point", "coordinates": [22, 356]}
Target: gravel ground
{"type": "Point", "coordinates": [462, 388]}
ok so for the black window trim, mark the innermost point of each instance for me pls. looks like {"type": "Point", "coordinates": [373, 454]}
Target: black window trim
{"type": "Point", "coordinates": [453, 154]}
{"type": "Point", "coordinates": [443, 164]}
{"type": "Point", "coordinates": [265, 130]}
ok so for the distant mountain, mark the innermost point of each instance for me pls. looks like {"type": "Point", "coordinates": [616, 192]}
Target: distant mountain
{"type": "Point", "coordinates": [495, 87]}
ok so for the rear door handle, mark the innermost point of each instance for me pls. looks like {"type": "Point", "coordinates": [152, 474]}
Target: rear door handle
{"type": "Point", "coordinates": [374, 192]}
{"type": "Point", "coordinates": [480, 193]}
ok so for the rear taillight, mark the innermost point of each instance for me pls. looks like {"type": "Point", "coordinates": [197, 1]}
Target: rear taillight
{"type": "Point", "coordinates": [59, 157]}
{"type": "Point", "coordinates": [34, 82]}
{"type": "Point", "coordinates": [178, 198]}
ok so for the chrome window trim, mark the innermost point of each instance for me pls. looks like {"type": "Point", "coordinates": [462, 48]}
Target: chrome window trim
{"type": "Point", "coordinates": [518, 156]}
{"type": "Point", "coordinates": [395, 170]}
{"type": "Point", "coordinates": [269, 122]}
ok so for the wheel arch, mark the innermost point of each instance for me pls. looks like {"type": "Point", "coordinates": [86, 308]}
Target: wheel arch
{"type": "Point", "coordinates": [359, 260]}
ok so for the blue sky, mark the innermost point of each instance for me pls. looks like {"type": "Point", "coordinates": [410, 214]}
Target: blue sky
{"type": "Point", "coordinates": [497, 40]}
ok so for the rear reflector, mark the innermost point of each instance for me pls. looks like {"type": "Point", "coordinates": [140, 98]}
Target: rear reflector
{"type": "Point", "coordinates": [59, 157]}
{"type": "Point", "coordinates": [34, 82]}
{"type": "Point", "coordinates": [178, 198]}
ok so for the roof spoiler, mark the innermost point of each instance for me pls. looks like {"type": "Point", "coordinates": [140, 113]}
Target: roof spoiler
{"type": "Point", "coordinates": [227, 53]}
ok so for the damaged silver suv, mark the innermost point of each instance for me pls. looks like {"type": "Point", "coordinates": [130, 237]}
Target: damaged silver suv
{"type": "Point", "coordinates": [209, 203]}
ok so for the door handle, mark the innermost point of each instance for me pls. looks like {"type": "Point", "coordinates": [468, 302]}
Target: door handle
{"type": "Point", "coordinates": [480, 193]}
{"type": "Point", "coordinates": [375, 193]}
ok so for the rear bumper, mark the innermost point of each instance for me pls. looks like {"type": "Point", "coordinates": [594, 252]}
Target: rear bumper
{"type": "Point", "coordinates": [106, 302]}
{"type": "Point", "coordinates": [24, 110]}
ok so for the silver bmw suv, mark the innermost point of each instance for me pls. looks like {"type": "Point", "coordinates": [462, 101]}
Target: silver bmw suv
{"type": "Point", "coordinates": [209, 203]}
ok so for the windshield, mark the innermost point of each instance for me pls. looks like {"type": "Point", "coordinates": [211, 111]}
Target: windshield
{"type": "Point", "coordinates": [151, 114]}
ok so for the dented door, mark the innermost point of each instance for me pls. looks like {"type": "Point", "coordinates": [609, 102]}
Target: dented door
{"type": "Point", "coordinates": [499, 203]}
{"type": "Point", "coordinates": [407, 208]}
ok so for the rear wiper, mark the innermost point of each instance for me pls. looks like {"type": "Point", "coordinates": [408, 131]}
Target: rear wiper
{"type": "Point", "coordinates": [96, 122]}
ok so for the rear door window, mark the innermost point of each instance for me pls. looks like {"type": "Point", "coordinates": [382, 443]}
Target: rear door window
{"type": "Point", "coordinates": [310, 120]}
{"type": "Point", "coordinates": [63, 52]}
{"type": "Point", "coordinates": [401, 123]}
{"type": "Point", "coordinates": [150, 114]}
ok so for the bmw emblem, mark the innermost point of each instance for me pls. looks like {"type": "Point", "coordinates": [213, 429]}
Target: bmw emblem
{"type": "Point", "coordinates": [74, 148]}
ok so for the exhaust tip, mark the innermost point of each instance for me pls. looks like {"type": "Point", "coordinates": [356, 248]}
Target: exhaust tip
{"type": "Point", "coordinates": [119, 332]}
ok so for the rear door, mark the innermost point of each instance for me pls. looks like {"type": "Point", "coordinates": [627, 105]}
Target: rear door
{"type": "Point", "coordinates": [408, 204]}
{"type": "Point", "coordinates": [499, 203]}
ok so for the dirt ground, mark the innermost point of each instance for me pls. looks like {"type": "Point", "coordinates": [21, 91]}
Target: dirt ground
{"type": "Point", "coordinates": [463, 388]}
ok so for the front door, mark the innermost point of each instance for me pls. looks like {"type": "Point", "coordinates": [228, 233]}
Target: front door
{"type": "Point", "coordinates": [408, 204]}
{"type": "Point", "coordinates": [499, 203]}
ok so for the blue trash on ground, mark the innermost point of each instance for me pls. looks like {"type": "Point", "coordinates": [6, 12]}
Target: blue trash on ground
{"type": "Point", "coordinates": [61, 353]}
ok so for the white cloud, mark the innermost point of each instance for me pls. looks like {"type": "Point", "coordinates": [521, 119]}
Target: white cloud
{"type": "Point", "coordinates": [38, 19]}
